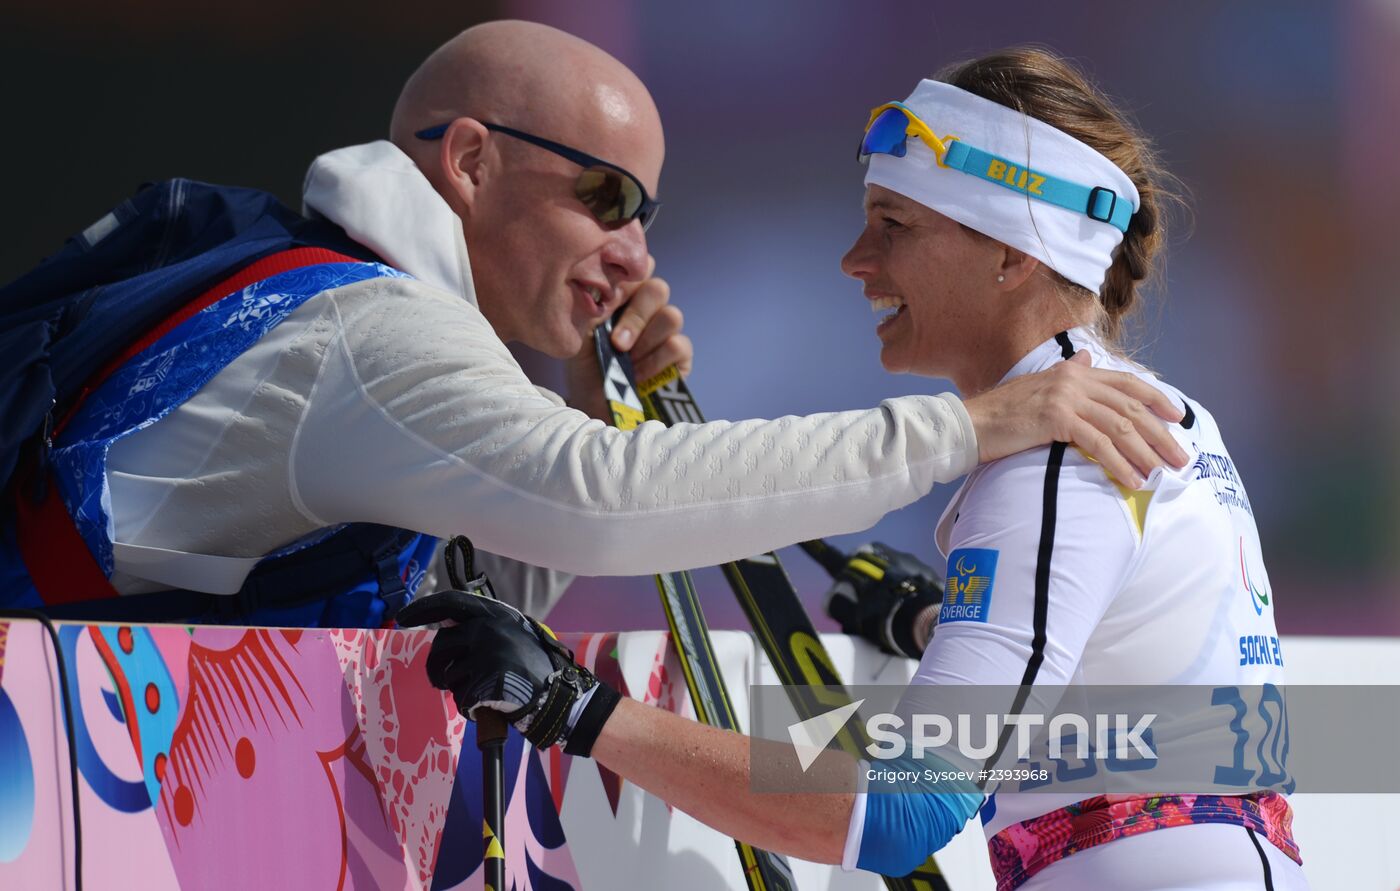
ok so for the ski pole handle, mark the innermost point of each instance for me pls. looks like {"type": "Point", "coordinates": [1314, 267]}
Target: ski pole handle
{"type": "Point", "coordinates": [490, 729]}
{"type": "Point", "coordinates": [831, 559]}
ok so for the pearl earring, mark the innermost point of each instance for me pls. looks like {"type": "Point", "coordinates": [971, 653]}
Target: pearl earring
{"type": "Point", "coordinates": [1001, 278]}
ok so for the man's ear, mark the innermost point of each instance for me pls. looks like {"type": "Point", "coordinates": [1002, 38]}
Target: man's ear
{"type": "Point", "coordinates": [462, 160]}
{"type": "Point", "coordinates": [1015, 268]}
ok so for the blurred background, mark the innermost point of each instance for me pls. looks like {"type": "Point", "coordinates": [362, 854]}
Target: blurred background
{"type": "Point", "coordinates": [1278, 312]}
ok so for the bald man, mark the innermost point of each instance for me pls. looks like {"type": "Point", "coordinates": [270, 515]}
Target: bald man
{"type": "Point", "coordinates": [508, 193]}
{"type": "Point", "coordinates": [509, 206]}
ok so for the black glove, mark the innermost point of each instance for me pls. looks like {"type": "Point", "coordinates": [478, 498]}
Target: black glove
{"type": "Point", "coordinates": [888, 597]}
{"type": "Point", "coordinates": [495, 657]}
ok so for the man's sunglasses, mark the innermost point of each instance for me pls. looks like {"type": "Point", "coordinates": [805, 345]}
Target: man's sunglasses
{"type": "Point", "coordinates": [610, 193]}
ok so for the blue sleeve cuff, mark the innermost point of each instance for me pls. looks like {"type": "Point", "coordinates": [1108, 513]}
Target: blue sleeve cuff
{"type": "Point", "coordinates": [902, 828]}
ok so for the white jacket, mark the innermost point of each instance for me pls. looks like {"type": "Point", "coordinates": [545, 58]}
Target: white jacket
{"type": "Point", "coordinates": [393, 401]}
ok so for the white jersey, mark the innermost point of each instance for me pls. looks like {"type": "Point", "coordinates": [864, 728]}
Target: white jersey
{"type": "Point", "coordinates": [393, 401]}
{"type": "Point", "coordinates": [1059, 576]}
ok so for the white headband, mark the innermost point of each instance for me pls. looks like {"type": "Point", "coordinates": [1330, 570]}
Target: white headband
{"type": "Point", "coordinates": [1076, 245]}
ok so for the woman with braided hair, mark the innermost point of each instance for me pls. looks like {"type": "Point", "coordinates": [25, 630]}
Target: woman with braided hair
{"type": "Point", "coordinates": [1012, 216]}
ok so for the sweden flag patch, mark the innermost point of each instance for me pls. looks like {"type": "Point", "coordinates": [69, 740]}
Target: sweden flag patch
{"type": "Point", "coordinates": [967, 596]}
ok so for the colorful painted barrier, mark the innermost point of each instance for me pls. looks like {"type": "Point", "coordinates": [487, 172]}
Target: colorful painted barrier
{"type": "Point", "coordinates": [244, 758]}
{"type": "Point", "coordinates": [240, 758]}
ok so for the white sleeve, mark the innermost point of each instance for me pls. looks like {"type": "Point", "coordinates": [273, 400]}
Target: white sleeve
{"type": "Point", "coordinates": [531, 589]}
{"type": "Point", "coordinates": [420, 418]}
{"type": "Point", "coordinates": [1037, 552]}
{"type": "Point", "coordinates": [1039, 547]}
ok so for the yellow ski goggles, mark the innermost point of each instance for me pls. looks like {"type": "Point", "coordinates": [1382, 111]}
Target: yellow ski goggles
{"type": "Point", "coordinates": [891, 125]}
{"type": "Point", "coordinates": [888, 130]}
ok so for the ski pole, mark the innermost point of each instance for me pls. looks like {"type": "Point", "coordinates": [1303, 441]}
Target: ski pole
{"type": "Point", "coordinates": [832, 560]}
{"type": "Point", "coordinates": [491, 740]}
{"type": "Point", "coordinates": [490, 728]}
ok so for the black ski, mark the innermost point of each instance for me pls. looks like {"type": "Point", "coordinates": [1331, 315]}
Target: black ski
{"type": "Point", "coordinates": [782, 625]}
{"type": "Point", "coordinates": [763, 870]}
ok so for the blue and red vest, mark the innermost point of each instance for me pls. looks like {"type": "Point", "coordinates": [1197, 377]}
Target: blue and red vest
{"type": "Point", "coordinates": [56, 550]}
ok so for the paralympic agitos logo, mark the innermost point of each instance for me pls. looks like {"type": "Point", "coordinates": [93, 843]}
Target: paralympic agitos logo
{"type": "Point", "coordinates": [1259, 598]}
{"type": "Point", "coordinates": [967, 593]}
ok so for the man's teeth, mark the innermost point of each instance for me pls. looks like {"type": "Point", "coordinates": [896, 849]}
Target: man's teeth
{"type": "Point", "coordinates": [596, 293]}
{"type": "Point", "coordinates": [888, 305]}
